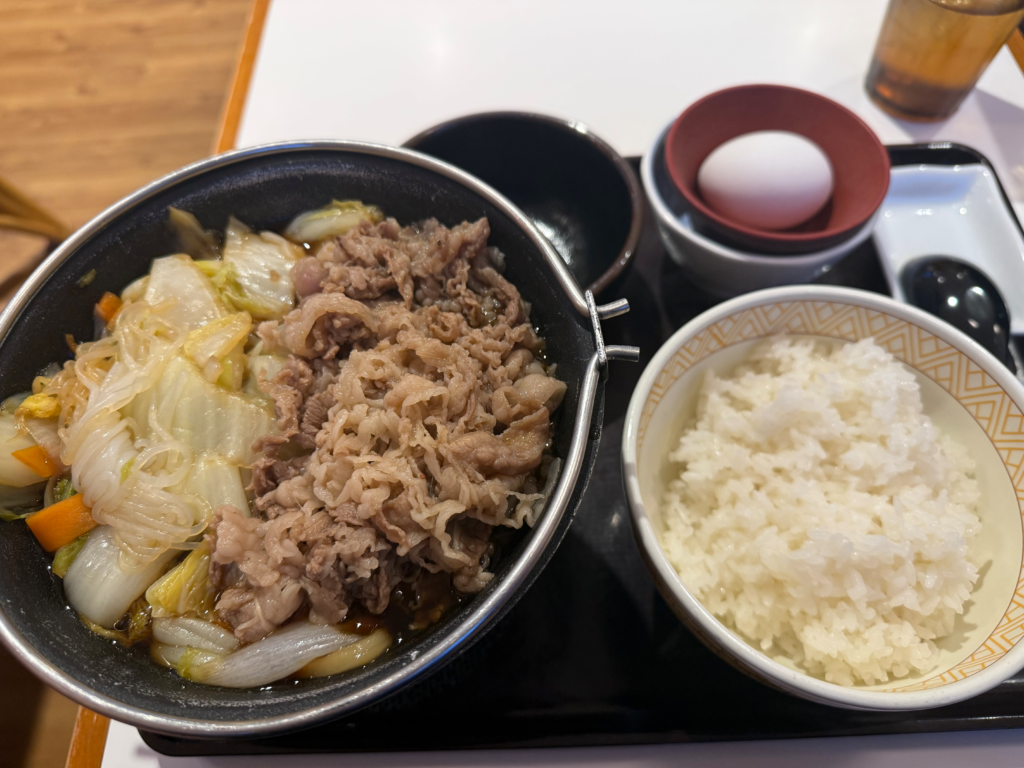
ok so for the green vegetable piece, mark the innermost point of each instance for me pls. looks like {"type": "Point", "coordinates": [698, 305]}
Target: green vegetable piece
{"type": "Point", "coordinates": [126, 468]}
{"type": "Point", "coordinates": [64, 489]}
{"type": "Point", "coordinates": [66, 555]}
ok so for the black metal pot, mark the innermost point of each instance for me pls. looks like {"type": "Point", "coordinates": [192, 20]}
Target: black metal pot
{"type": "Point", "coordinates": [265, 187]}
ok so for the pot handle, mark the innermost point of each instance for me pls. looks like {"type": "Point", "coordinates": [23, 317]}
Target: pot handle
{"type": "Point", "coordinates": [588, 396]}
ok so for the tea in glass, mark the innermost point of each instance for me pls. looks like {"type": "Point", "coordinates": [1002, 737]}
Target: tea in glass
{"type": "Point", "coordinates": [930, 53]}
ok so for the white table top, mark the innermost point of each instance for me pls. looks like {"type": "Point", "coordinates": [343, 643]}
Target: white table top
{"type": "Point", "coordinates": [991, 749]}
{"type": "Point", "coordinates": [384, 71]}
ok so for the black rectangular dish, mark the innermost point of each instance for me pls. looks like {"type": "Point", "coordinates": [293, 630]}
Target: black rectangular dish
{"type": "Point", "coordinates": [592, 655]}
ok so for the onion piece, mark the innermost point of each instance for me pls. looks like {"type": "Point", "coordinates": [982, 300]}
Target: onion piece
{"type": "Point", "coordinates": [44, 432]}
{"type": "Point", "coordinates": [350, 657]}
{"type": "Point", "coordinates": [275, 656]}
{"type": "Point", "coordinates": [12, 471]}
{"type": "Point", "coordinates": [194, 633]}
{"type": "Point", "coordinates": [48, 491]}
{"type": "Point", "coordinates": [335, 219]}
{"type": "Point", "coordinates": [27, 496]}
{"type": "Point", "coordinates": [193, 239]}
{"type": "Point", "coordinates": [10, 404]}
{"type": "Point", "coordinates": [136, 291]}
{"type": "Point", "coordinates": [179, 657]}
{"type": "Point", "coordinates": [96, 586]}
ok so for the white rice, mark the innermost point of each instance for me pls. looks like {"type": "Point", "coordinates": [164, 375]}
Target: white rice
{"type": "Point", "coordinates": [821, 514]}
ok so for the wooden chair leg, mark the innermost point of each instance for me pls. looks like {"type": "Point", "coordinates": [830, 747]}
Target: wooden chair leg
{"type": "Point", "coordinates": [88, 740]}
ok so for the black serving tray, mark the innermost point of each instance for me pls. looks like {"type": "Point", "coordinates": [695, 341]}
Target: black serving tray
{"type": "Point", "coordinates": [591, 655]}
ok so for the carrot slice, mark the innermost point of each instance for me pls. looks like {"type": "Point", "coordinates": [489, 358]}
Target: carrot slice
{"type": "Point", "coordinates": [107, 307]}
{"type": "Point", "coordinates": [61, 523]}
{"type": "Point", "coordinates": [35, 458]}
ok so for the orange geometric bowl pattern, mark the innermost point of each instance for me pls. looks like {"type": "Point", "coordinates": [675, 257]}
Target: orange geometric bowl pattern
{"type": "Point", "coordinates": [952, 369]}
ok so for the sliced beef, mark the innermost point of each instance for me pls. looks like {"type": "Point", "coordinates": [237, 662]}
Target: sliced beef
{"type": "Point", "coordinates": [413, 417]}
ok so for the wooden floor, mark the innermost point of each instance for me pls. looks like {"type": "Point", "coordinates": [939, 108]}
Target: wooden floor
{"type": "Point", "coordinates": [97, 98]}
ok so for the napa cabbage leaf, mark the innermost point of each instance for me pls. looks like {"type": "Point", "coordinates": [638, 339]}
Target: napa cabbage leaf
{"type": "Point", "coordinates": [255, 273]}
{"type": "Point", "coordinates": [177, 277]}
{"type": "Point", "coordinates": [218, 348]}
{"type": "Point", "coordinates": [185, 589]}
{"type": "Point", "coordinates": [206, 417]}
{"type": "Point", "coordinates": [330, 221]}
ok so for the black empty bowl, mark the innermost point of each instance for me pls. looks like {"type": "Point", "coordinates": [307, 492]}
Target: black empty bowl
{"type": "Point", "coordinates": [578, 190]}
{"type": "Point", "coordinates": [265, 187]}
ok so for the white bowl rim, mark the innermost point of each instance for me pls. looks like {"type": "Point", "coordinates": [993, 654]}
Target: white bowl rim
{"type": "Point", "coordinates": [665, 215]}
{"type": "Point", "coordinates": [805, 685]}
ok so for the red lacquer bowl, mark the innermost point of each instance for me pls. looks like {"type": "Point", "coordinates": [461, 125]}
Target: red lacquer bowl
{"type": "Point", "coordinates": [860, 163]}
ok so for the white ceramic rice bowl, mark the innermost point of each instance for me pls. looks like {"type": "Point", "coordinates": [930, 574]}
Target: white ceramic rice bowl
{"type": "Point", "coordinates": [966, 392]}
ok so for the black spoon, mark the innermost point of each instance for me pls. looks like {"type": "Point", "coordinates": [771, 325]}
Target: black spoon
{"type": "Point", "coordinates": [962, 296]}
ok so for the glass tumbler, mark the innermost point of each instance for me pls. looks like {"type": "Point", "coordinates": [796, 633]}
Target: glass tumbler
{"type": "Point", "coordinates": [930, 53]}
